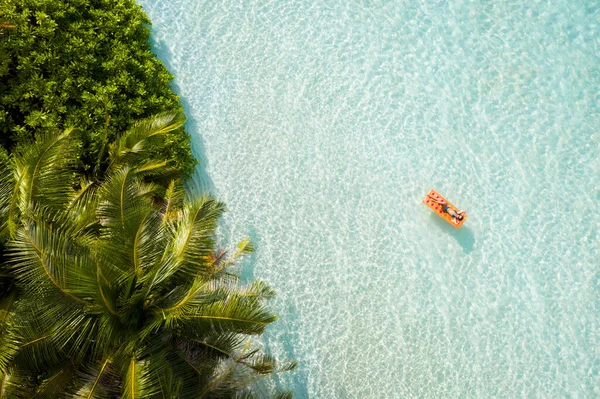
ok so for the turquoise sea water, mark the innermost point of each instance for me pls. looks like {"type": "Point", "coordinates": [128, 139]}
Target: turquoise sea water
{"type": "Point", "coordinates": [322, 124]}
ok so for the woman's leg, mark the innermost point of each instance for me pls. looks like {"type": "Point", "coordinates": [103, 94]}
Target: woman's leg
{"type": "Point", "coordinates": [439, 201]}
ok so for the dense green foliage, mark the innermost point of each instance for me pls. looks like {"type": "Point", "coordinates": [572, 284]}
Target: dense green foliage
{"type": "Point", "coordinates": [123, 294]}
{"type": "Point", "coordinates": [85, 64]}
{"type": "Point", "coordinates": [110, 282]}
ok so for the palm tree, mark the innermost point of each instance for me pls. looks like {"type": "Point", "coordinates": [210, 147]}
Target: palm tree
{"type": "Point", "coordinates": [122, 293]}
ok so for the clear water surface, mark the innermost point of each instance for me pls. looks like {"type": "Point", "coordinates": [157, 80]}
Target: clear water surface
{"type": "Point", "coordinates": [322, 123]}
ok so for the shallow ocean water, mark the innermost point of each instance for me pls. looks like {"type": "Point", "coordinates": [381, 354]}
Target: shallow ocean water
{"type": "Point", "coordinates": [322, 124]}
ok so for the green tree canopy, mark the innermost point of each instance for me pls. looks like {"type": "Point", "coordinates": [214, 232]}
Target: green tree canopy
{"type": "Point", "coordinates": [87, 64]}
{"type": "Point", "coordinates": [122, 291]}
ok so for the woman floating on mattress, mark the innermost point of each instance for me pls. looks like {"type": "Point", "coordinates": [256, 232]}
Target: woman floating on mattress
{"type": "Point", "coordinates": [456, 216]}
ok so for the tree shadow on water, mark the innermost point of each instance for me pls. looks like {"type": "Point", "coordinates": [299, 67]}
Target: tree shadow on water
{"type": "Point", "coordinates": [288, 332]}
{"type": "Point", "coordinates": [289, 338]}
{"type": "Point", "coordinates": [247, 271]}
{"type": "Point", "coordinates": [464, 236]}
{"type": "Point", "coordinates": [200, 182]}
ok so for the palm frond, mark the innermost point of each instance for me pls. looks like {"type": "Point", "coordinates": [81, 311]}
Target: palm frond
{"type": "Point", "coordinates": [150, 167]}
{"type": "Point", "coordinates": [17, 383]}
{"type": "Point", "coordinates": [15, 202]}
{"type": "Point", "coordinates": [9, 345]}
{"type": "Point", "coordinates": [7, 184]}
{"type": "Point", "coordinates": [123, 200]}
{"type": "Point", "coordinates": [220, 383]}
{"type": "Point", "coordinates": [191, 365]}
{"type": "Point", "coordinates": [187, 298]}
{"type": "Point", "coordinates": [193, 241]}
{"type": "Point", "coordinates": [237, 348]}
{"type": "Point", "coordinates": [135, 380]}
{"type": "Point", "coordinates": [221, 345]}
{"type": "Point", "coordinates": [75, 334]}
{"type": "Point", "coordinates": [172, 202]}
{"type": "Point", "coordinates": [238, 377]}
{"type": "Point", "coordinates": [44, 171]}
{"type": "Point", "coordinates": [36, 351]}
{"type": "Point", "coordinates": [235, 313]}
{"type": "Point", "coordinates": [194, 238]}
{"type": "Point", "coordinates": [97, 381]}
{"type": "Point", "coordinates": [40, 258]}
{"type": "Point", "coordinates": [56, 383]}
{"type": "Point", "coordinates": [124, 210]}
{"type": "Point", "coordinates": [131, 146]}
{"type": "Point", "coordinates": [261, 393]}
{"type": "Point", "coordinates": [52, 329]}
{"type": "Point", "coordinates": [82, 204]}
{"type": "Point", "coordinates": [157, 171]}
{"type": "Point", "coordinates": [257, 289]}
{"type": "Point", "coordinates": [148, 245]}
{"type": "Point", "coordinates": [169, 374]}
{"type": "Point", "coordinates": [284, 395]}
{"type": "Point", "coordinates": [244, 248]}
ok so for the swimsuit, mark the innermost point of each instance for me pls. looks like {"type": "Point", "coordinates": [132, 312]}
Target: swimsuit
{"type": "Point", "coordinates": [446, 208]}
{"type": "Point", "coordinates": [451, 212]}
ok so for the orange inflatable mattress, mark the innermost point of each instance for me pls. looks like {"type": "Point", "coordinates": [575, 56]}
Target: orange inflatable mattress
{"type": "Point", "coordinates": [433, 200]}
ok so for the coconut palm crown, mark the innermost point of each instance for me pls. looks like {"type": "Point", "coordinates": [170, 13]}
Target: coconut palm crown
{"type": "Point", "coordinates": [121, 293]}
